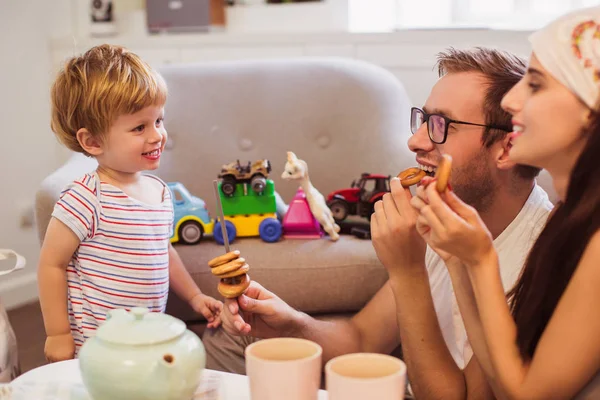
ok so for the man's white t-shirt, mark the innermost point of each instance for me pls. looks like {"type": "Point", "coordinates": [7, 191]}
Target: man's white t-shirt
{"type": "Point", "coordinates": [512, 246]}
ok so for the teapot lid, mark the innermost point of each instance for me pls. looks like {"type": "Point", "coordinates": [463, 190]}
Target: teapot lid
{"type": "Point", "coordinates": [139, 327]}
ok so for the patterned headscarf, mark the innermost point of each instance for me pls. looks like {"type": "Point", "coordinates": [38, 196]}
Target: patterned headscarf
{"type": "Point", "coordinates": [569, 49]}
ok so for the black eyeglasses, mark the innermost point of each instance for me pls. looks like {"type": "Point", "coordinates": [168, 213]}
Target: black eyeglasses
{"type": "Point", "coordinates": [437, 124]}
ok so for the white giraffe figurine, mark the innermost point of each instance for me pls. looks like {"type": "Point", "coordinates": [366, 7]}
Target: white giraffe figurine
{"type": "Point", "coordinates": [297, 170]}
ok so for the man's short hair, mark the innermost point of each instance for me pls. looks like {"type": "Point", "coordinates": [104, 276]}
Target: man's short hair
{"type": "Point", "coordinates": [502, 70]}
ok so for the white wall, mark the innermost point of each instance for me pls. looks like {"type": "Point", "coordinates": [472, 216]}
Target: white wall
{"type": "Point", "coordinates": [28, 146]}
{"type": "Point", "coordinates": [409, 55]}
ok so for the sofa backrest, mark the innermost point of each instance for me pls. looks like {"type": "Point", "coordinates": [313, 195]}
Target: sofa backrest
{"type": "Point", "coordinates": [342, 117]}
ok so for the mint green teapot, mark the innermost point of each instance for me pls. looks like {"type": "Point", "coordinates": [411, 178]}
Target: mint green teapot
{"type": "Point", "coordinates": [141, 355]}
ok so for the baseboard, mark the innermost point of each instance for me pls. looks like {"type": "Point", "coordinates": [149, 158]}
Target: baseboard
{"type": "Point", "coordinates": [19, 290]}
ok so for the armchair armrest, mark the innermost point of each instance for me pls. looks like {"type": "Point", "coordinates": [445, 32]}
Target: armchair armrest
{"type": "Point", "coordinates": [48, 193]}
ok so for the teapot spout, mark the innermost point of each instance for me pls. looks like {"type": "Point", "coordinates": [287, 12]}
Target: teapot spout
{"type": "Point", "coordinates": [167, 371]}
{"type": "Point", "coordinates": [168, 360]}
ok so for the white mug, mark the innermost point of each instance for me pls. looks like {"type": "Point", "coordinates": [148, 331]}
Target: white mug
{"type": "Point", "coordinates": [361, 376]}
{"type": "Point", "coordinates": [284, 368]}
{"type": "Point", "coordinates": [9, 358]}
{"type": "Point", "coordinates": [5, 254]}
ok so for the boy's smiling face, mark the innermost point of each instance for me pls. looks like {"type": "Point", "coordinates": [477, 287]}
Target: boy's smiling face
{"type": "Point", "coordinates": [134, 142]}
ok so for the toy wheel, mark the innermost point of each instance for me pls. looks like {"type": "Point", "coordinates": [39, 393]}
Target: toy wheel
{"type": "Point", "coordinates": [258, 183]}
{"type": "Point", "coordinates": [228, 186]}
{"type": "Point", "coordinates": [218, 233]}
{"type": "Point", "coordinates": [361, 233]}
{"type": "Point", "coordinates": [339, 210]}
{"type": "Point", "coordinates": [191, 232]}
{"type": "Point", "coordinates": [270, 230]}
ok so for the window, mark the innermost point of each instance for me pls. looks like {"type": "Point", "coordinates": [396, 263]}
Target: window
{"type": "Point", "coordinates": [388, 15]}
{"type": "Point", "coordinates": [179, 200]}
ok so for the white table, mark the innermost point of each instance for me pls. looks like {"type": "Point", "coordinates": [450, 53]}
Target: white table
{"type": "Point", "coordinates": [62, 381]}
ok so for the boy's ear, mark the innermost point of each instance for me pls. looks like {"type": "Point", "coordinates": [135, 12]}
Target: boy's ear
{"type": "Point", "coordinates": [89, 142]}
{"type": "Point", "coordinates": [500, 151]}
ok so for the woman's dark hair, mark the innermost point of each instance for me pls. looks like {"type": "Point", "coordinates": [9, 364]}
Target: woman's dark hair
{"type": "Point", "coordinates": [556, 254]}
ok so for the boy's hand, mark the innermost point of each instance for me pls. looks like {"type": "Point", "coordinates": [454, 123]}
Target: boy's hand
{"type": "Point", "coordinates": [209, 307]}
{"type": "Point", "coordinates": [59, 347]}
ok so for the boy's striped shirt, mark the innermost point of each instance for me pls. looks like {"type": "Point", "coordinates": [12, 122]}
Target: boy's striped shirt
{"type": "Point", "coordinates": [122, 260]}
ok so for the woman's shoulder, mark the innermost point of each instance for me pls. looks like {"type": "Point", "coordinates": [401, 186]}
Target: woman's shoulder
{"type": "Point", "coordinates": [594, 243]}
{"type": "Point", "coordinates": [591, 254]}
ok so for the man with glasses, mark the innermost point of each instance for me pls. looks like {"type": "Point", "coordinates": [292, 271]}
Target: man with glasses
{"type": "Point", "coordinates": [416, 308]}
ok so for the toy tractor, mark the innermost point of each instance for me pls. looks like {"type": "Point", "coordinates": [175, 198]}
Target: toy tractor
{"type": "Point", "coordinates": [254, 174]}
{"type": "Point", "coordinates": [360, 198]}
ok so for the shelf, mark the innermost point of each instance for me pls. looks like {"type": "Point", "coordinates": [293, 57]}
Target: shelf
{"type": "Point", "coordinates": [426, 36]}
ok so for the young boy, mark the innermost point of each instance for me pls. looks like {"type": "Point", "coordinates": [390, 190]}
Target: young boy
{"type": "Point", "coordinates": [108, 243]}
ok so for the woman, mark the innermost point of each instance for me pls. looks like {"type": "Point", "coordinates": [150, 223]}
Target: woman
{"type": "Point", "coordinates": [545, 343]}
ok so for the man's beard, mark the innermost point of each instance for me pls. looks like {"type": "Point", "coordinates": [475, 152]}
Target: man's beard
{"type": "Point", "coordinates": [473, 183]}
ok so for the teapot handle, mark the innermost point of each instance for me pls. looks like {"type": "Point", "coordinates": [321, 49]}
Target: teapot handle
{"type": "Point", "coordinates": [5, 254]}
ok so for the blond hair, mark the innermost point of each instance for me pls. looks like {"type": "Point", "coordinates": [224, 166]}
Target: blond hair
{"type": "Point", "coordinates": [93, 89]}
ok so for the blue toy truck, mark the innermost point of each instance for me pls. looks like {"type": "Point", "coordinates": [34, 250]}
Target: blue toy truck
{"type": "Point", "coordinates": [191, 220]}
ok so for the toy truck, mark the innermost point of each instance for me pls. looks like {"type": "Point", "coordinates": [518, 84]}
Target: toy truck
{"type": "Point", "coordinates": [191, 218]}
{"type": "Point", "coordinates": [255, 174]}
{"type": "Point", "coordinates": [248, 212]}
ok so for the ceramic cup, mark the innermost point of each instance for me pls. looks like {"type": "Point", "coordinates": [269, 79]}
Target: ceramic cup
{"type": "Point", "coordinates": [284, 368]}
{"type": "Point", "coordinates": [365, 376]}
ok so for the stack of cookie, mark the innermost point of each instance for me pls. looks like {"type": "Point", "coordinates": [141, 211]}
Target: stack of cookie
{"type": "Point", "coordinates": [232, 270]}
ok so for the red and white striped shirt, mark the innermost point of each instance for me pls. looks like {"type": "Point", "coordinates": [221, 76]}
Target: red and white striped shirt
{"type": "Point", "coordinates": [122, 260]}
